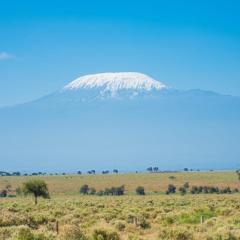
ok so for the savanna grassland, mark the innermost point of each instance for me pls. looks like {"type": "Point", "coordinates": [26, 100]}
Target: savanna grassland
{"type": "Point", "coordinates": [67, 215]}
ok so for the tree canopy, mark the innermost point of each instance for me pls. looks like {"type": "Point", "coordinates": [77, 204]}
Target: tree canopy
{"type": "Point", "coordinates": [37, 187]}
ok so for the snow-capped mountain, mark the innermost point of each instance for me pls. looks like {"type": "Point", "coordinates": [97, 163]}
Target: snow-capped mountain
{"type": "Point", "coordinates": [121, 120]}
{"type": "Point", "coordinates": [118, 85]}
{"type": "Point", "coordinates": [114, 82]}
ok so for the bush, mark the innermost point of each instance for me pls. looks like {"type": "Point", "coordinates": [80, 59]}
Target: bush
{"type": "Point", "coordinates": [100, 193]}
{"type": "Point", "coordinates": [144, 224]}
{"type": "Point", "coordinates": [182, 190]}
{"type": "Point", "coordinates": [171, 189]}
{"type": "Point", "coordinates": [235, 190]}
{"type": "Point", "coordinates": [226, 190]}
{"type": "Point", "coordinates": [101, 234]}
{"type": "Point", "coordinates": [196, 190]}
{"type": "Point", "coordinates": [92, 191]}
{"type": "Point", "coordinates": [120, 225]}
{"type": "Point", "coordinates": [71, 232]}
{"type": "Point", "coordinates": [3, 193]}
{"type": "Point", "coordinates": [175, 234]}
{"type": "Point", "coordinates": [114, 191]}
{"type": "Point", "coordinates": [18, 191]}
{"type": "Point", "coordinates": [209, 189]}
{"type": "Point", "coordinates": [118, 190]}
{"type": "Point", "coordinates": [140, 190]}
{"type": "Point", "coordinates": [84, 189]}
{"type": "Point", "coordinates": [24, 233]}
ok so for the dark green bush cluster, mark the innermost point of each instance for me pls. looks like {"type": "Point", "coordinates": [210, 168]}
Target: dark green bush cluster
{"type": "Point", "coordinates": [3, 193]}
{"type": "Point", "coordinates": [200, 189]}
{"type": "Point", "coordinates": [113, 191]}
{"type": "Point", "coordinates": [171, 189]}
{"type": "Point", "coordinates": [210, 189]}
{"type": "Point", "coordinates": [140, 190]}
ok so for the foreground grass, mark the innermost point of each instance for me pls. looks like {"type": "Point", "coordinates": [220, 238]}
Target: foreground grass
{"type": "Point", "coordinates": [130, 217]}
{"type": "Point", "coordinates": [71, 216]}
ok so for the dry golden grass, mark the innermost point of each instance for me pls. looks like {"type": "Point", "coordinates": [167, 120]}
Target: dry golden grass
{"type": "Point", "coordinates": [131, 217]}
{"type": "Point", "coordinates": [70, 184]}
{"type": "Point", "coordinates": [161, 217]}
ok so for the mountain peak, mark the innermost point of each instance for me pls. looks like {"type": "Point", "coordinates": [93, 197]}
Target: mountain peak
{"type": "Point", "coordinates": [115, 81]}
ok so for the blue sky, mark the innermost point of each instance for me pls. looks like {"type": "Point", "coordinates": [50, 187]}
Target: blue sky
{"type": "Point", "coordinates": [184, 44]}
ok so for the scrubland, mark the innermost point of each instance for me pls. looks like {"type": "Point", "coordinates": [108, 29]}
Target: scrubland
{"type": "Point", "coordinates": [67, 215]}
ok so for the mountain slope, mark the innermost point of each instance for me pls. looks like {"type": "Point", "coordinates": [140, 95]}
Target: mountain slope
{"type": "Point", "coordinates": [121, 120]}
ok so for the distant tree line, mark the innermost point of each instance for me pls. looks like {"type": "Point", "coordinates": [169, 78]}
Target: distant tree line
{"type": "Point", "coordinates": [3, 173]}
{"type": "Point", "coordinates": [92, 171]}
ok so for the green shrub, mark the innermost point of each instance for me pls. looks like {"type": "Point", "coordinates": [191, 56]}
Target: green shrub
{"type": "Point", "coordinates": [92, 191]}
{"type": "Point", "coordinates": [144, 224]}
{"type": "Point", "coordinates": [84, 189]}
{"type": "Point", "coordinates": [140, 190]}
{"type": "Point", "coordinates": [120, 225]}
{"type": "Point", "coordinates": [171, 189]}
{"type": "Point", "coordinates": [24, 233]}
{"type": "Point", "coordinates": [102, 234]}
{"type": "Point", "coordinates": [3, 193]}
{"type": "Point", "coordinates": [175, 234]}
{"type": "Point", "coordinates": [182, 190]}
{"type": "Point", "coordinates": [71, 232]}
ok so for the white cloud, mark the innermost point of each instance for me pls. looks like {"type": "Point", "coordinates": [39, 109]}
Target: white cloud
{"type": "Point", "coordinates": [5, 56]}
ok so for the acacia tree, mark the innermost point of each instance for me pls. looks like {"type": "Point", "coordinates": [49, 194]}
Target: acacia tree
{"type": "Point", "coordinates": [36, 187]}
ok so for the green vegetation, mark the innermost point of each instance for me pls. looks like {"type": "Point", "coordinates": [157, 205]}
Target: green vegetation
{"type": "Point", "coordinates": [193, 209]}
{"type": "Point", "coordinates": [140, 190]}
{"type": "Point", "coordinates": [84, 189]}
{"type": "Point", "coordinates": [37, 187]}
{"type": "Point", "coordinates": [171, 189]}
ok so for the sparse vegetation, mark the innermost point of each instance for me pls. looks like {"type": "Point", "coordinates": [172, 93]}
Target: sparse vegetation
{"type": "Point", "coordinates": [210, 213]}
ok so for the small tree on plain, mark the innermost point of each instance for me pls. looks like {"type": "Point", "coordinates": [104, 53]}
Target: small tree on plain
{"type": "Point", "coordinates": [37, 187]}
{"type": "Point", "coordinates": [140, 190]}
{"type": "Point", "coordinates": [84, 189]}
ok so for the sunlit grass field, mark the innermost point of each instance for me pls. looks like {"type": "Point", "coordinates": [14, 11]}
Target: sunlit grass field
{"type": "Point", "coordinates": [69, 215]}
{"type": "Point", "coordinates": [152, 182]}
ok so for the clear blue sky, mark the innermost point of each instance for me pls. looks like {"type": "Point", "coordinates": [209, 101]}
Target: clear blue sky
{"type": "Point", "coordinates": [184, 44]}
